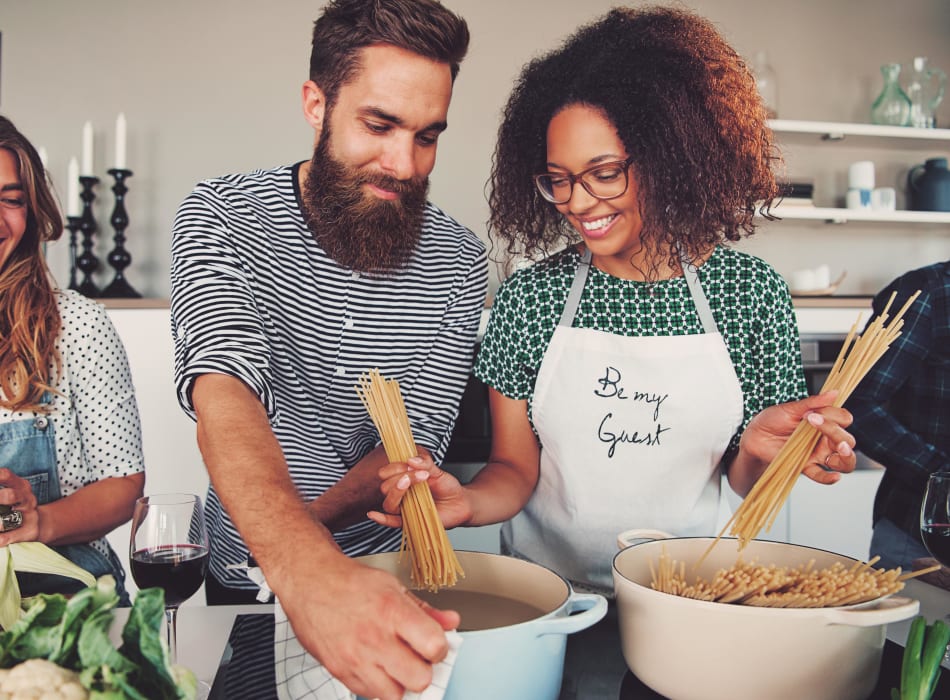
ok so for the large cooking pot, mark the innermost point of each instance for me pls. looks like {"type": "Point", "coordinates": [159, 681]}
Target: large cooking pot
{"type": "Point", "coordinates": [689, 649]}
{"type": "Point", "coordinates": [512, 661]}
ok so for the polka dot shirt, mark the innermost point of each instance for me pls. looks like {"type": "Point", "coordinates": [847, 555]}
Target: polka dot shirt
{"type": "Point", "coordinates": [749, 300]}
{"type": "Point", "coordinates": [95, 416]}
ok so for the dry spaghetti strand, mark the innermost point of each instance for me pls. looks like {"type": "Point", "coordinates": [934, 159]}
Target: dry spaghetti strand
{"type": "Point", "coordinates": [780, 587]}
{"type": "Point", "coordinates": [858, 354]}
{"type": "Point", "coordinates": [433, 560]}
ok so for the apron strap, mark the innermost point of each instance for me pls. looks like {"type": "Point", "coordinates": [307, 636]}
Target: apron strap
{"type": "Point", "coordinates": [577, 288]}
{"type": "Point", "coordinates": [690, 274]}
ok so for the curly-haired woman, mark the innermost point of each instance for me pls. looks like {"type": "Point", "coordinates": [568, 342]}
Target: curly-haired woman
{"type": "Point", "coordinates": [70, 444]}
{"type": "Point", "coordinates": [629, 369]}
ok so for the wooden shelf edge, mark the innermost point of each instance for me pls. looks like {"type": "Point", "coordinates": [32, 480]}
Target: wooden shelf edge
{"type": "Point", "coordinates": [832, 301]}
{"type": "Point", "coordinates": [150, 303]}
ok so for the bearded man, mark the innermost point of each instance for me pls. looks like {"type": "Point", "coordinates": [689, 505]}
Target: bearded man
{"type": "Point", "coordinates": [287, 285]}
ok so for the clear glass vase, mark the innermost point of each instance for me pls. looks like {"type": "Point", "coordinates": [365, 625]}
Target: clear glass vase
{"type": "Point", "coordinates": [766, 82]}
{"type": "Point", "coordinates": [925, 88]}
{"type": "Point", "coordinates": [892, 106]}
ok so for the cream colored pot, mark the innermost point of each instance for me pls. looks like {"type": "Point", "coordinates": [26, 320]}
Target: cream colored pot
{"type": "Point", "coordinates": [695, 650]}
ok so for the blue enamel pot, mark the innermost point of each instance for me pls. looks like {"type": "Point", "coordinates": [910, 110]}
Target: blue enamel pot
{"type": "Point", "coordinates": [516, 616]}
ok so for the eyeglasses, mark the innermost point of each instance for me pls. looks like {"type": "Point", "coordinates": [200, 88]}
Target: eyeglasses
{"type": "Point", "coordinates": [604, 181]}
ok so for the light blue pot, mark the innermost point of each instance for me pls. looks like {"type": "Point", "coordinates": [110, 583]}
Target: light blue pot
{"type": "Point", "coordinates": [517, 662]}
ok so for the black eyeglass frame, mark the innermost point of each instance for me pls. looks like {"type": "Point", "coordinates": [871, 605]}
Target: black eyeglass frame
{"type": "Point", "coordinates": [579, 178]}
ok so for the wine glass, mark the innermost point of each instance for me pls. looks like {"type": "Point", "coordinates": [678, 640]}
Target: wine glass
{"type": "Point", "coordinates": [169, 550]}
{"type": "Point", "coordinates": [935, 521]}
{"type": "Point", "coordinates": [935, 517]}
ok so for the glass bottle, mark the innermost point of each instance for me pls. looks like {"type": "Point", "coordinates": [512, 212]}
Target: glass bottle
{"type": "Point", "coordinates": [925, 90]}
{"type": "Point", "coordinates": [892, 106]}
{"type": "Point", "coordinates": [766, 83]}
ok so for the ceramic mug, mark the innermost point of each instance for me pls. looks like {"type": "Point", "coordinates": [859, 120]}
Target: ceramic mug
{"type": "Point", "coordinates": [884, 199]}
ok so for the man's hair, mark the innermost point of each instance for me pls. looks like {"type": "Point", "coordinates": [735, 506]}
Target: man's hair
{"type": "Point", "coordinates": [346, 27]}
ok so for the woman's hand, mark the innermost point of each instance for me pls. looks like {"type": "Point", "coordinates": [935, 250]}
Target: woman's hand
{"type": "Point", "coordinates": [769, 430]}
{"type": "Point", "coordinates": [447, 492]}
{"type": "Point", "coordinates": [17, 494]}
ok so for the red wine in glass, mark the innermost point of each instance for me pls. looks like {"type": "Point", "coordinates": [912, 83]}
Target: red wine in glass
{"type": "Point", "coordinates": [935, 517]}
{"type": "Point", "coordinates": [178, 569]}
{"type": "Point", "coordinates": [937, 541]}
{"type": "Point", "coordinates": [169, 550]}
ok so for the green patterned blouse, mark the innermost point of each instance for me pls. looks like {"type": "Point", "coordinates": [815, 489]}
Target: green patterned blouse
{"type": "Point", "coordinates": [749, 300]}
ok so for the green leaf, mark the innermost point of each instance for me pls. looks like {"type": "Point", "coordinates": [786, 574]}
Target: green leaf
{"type": "Point", "coordinates": [910, 670]}
{"type": "Point", "coordinates": [95, 647]}
{"type": "Point", "coordinates": [42, 637]}
{"type": "Point", "coordinates": [935, 646]}
{"type": "Point", "coordinates": [143, 643]}
{"type": "Point", "coordinates": [9, 591]}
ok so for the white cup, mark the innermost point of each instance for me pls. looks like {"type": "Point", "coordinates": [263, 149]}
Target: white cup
{"type": "Point", "coordinates": [861, 175]}
{"type": "Point", "coordinates": [884, 199]}
{"type": "Point", "coordinates": [822, 277]}
{"type": "Point", "coordinates": [803, 280]}
{"type": "Point", "coordinates": [858, 199]}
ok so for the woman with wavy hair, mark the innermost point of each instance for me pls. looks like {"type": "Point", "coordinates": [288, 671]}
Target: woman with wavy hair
{"type": "Point", "coordinates": [644, 357]}
{"type": "Point", "coordinates": [70, 444]}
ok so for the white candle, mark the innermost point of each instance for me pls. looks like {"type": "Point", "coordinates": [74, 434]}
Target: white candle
{"type": "Point", "coordinates": [72, 188]}
{"type": "Point", "coordinates": [43, 157]}
{"type": "Point", "coordinates": [87, 168]}
{"type": "Point", "coordinates": [120, 141]}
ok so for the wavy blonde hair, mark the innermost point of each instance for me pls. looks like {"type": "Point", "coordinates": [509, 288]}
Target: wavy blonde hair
{"type": "Point", "coordinates": [29, 316]}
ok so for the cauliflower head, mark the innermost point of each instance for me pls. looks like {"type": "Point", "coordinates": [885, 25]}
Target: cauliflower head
{"type": "Point", "coordinates": [39, 679]}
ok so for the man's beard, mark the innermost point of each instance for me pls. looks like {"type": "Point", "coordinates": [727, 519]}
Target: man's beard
{"type": "Point", "coordinates": [357, 229]}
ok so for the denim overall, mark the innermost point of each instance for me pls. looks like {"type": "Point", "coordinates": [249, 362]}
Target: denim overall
{"type": "Point", "coordinates": [28, 449]}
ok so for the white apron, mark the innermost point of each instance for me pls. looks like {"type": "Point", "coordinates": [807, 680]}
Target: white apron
{"type": "Point", "coordinates": [632, 431]}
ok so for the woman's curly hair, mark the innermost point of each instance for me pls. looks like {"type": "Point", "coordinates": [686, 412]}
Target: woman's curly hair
{"type": "Point", "coordinates": [29, 316]}
{"type": "Point", "coordinates": [686, 108]}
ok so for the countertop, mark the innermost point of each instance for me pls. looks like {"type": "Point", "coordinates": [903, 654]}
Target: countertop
{"type": "Point", "coordinates": [594, 666]}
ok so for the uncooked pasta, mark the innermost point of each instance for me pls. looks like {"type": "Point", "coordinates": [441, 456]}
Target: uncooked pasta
{"type": "Point", "coordinates": [433, 561]}
{"type": "Point", "coordinates": [782, 587]}
{"type": "Point", "coordinates": [858, 354]}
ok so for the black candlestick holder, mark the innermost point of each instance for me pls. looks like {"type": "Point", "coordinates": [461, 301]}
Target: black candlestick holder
{"type": "Point", "coordinates": [73, 223]}
{"type": "Point", "coordinates": [119, 258]}
{"type": "Point", "coordinates": [87, 261]}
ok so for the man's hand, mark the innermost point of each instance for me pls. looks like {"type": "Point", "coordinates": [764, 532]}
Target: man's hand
{"type": "Point", "coordinates": [364, 626]}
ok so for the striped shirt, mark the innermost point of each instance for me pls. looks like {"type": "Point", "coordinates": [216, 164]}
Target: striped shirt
{"type": "Point", "coordinates": [255, 297]}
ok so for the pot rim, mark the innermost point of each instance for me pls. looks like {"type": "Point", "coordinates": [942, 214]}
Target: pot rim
{"type": "Point", "coordinates": [739, 609]}
{"type": "Point", "coordinates": [569, 593]}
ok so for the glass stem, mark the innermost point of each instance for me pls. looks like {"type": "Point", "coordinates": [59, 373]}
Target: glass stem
{"type": "Point", "coordinates": [171, 619]}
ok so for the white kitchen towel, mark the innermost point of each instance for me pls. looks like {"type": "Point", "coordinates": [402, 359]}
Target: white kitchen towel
{"type": "Point", "coordinates": [301, 677]}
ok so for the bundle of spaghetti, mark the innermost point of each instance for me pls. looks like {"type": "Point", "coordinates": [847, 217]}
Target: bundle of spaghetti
{"type": "Point", "coordinates": [783, 587]}
{"type": "Point", "coordinates": [859, 353]}
{"type": "Point", "coordinates": [434, 564]}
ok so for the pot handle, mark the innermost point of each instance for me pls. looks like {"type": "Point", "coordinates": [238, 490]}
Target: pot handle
{"type": "Point", "coordinates": [912, 176]}
{"type": "Point", "coordinates": [892, 609]}
{"type": "Point", "coordinates": [629, 537]}
{"type": "Point", "coordinates": [590, 608]}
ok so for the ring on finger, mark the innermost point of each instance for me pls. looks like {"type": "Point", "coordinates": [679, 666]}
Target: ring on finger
{"type": "Point", "coordinates": [11, 520]}
{"type": "Point", "coordinates": [827, 461]}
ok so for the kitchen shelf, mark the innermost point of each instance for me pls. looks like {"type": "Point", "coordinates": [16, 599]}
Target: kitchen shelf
{"type": "Point", "coordinates": [138, 303]}
{"type": "Point", "coordinates": [840, 216]}
{"type": "Point", "coordinates": [838, 131]}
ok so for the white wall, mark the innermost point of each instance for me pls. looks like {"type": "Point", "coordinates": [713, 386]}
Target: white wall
{"type": "Point", "coordinates": [212, 87]}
